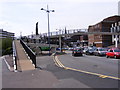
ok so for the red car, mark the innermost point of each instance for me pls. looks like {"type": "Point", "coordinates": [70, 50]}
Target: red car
{"type": "Point", "coordinates": [113, 52]}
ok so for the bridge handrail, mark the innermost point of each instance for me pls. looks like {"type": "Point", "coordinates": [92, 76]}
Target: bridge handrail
{"type": "Point", "coordinates": [77, 31]}
{"type": "Point", "coordinates": [63, 32]}
{"type": "Point", "coordinates": [14, 55]}
{"type": "Point", "coordinates": [30, 53]}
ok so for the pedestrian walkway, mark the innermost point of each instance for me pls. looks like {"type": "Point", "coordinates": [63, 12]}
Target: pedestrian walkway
{"type": "Point", "coordinates": [24, 62]}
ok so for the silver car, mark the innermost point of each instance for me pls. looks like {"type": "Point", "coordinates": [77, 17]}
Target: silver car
{"type": "Point", "coordinates": [100, 52]}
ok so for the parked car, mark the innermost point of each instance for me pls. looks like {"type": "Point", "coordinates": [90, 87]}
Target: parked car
{"type": "Point", "coordinates": [70, 49]}
{"type": "Point", "coordinates": [61, 48]}
{"type": "Point", "coordinates": [58, 49]}
{"type": "Point", "coordinates": [77, 52]}
{"type": "Point", "coordinates": [114, 52]}
{"type": "Point", "coordinates": [89, 51]}
{"type": "Point", "coordinates": [100, 52]}
{"type": "Point", "coordinates": [85, 49]}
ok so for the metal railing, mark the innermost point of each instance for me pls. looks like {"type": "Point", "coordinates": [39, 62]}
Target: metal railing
{"type": "Point", "coordinates": [72, 31]}
{"type": "Point", "coordinates": [30, 53]}
{"type": "Point", "coordinates": [60, 32]}
{"type": "Point", "coordinates": [14, 56]}
{"type": "Point", "coordinates": [75, 32]}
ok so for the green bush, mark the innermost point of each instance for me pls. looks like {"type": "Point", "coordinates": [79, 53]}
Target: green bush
{"type": "Point", "coordinates": [8, 51]}
{"type": "Point", "coordinates": [5, 46]}
{"type": "Point", "coordinates": [44, 48]}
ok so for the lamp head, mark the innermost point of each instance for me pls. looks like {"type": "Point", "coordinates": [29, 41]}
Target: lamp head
{"type": "Point", "coordinates": [42, 9]}
{"type": "Point", "coordinates": [53, 10]}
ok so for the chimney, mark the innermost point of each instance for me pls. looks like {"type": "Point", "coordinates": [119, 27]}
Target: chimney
{"type": "Point", "coordinates": [37, 28]}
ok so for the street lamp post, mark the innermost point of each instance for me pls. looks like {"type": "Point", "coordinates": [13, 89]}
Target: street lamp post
{"type": "Point", "coordinates": [48, 11]}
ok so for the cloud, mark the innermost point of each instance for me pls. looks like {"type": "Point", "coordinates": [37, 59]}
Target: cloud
{"type": "Point", "coordinates": [52, 1]}
{"type": "Point", "coordinates": [29, 1]}
{"type": "Point", "coordinates": [3, 24]}
{"type": "Point", "coordinates": [21, 15]}
{"type": "Point", "coordinates": [12, 27]}
{"type": "Point", "coordinates": [88, 1]}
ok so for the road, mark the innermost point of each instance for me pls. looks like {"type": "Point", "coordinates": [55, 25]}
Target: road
{"type": "Point", "coordinates": [74, 79]}
{"type": "Point", "coordinates": [95, 64]}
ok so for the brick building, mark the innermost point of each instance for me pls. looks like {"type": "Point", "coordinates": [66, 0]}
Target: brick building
{"type": "Point", "coordinates": [84, 40]}
{"type": "Point", "coordinates": [103, 26]}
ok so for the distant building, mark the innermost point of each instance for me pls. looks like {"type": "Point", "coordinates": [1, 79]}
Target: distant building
{"type": "Point", "coordinates": [103, 26]}
{"type": "Point", "coordinates": [5, 34]}
{"type": "Point", "coordinates": [84, 40]}
{"type": "Point", "coordinates": [115, 28]}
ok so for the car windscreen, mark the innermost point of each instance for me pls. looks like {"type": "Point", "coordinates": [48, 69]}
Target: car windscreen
{"type": "Point", "coordinates": [91, 49]}
{"type": "Point", "coordinates": [116, 50]}
{"type": "Point", "coordinates": [102, 49]}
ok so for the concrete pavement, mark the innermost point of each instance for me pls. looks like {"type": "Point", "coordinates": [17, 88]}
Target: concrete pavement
{"type": "Point", "coordinates": [47, 77]}
{"type": "Point", "coordinates": [27, 79]}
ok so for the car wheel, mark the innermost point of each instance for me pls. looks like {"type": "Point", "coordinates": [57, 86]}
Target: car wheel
{"type": "Point", "coordinates": [94, 54]}
{"type": "Point", "coordinates": [98, 54]}
{"type": "Point", "coordinates": [115, 57]}
{"type": "Point", "coordinates": [107, 56]}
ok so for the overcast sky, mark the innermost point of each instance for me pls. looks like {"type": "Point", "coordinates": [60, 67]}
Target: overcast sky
{"type": "Point", "coordinates": [21, 15]}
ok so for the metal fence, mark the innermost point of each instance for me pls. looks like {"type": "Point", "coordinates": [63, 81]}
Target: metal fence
{"type": "Point", "coordinates": [30, 53]}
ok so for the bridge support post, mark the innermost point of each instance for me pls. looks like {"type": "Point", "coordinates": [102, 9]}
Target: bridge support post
{"type": "Point", "coordinates": [60, 45]}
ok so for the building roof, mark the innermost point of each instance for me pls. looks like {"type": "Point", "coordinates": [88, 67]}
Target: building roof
{"type": "Point", "coordinates": [1, 30]}
{"type": "Point", "coordinates": [4, 34]}
{"type": "Point", "coordinates": [115, 18]}
{"type": "Point", "coordinates": [111, 19]}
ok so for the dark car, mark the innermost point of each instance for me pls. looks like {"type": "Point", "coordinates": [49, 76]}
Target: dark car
{"type": "Point", "coordinates": [77, 52]}
{"type": "Point", "coordinates": [114, 52]}
{"type": "Point", "coordinates": [100, 52]}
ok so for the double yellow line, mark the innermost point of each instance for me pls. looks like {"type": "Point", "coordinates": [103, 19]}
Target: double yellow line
{"type": "Point", "coordinates": [59, 64]}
